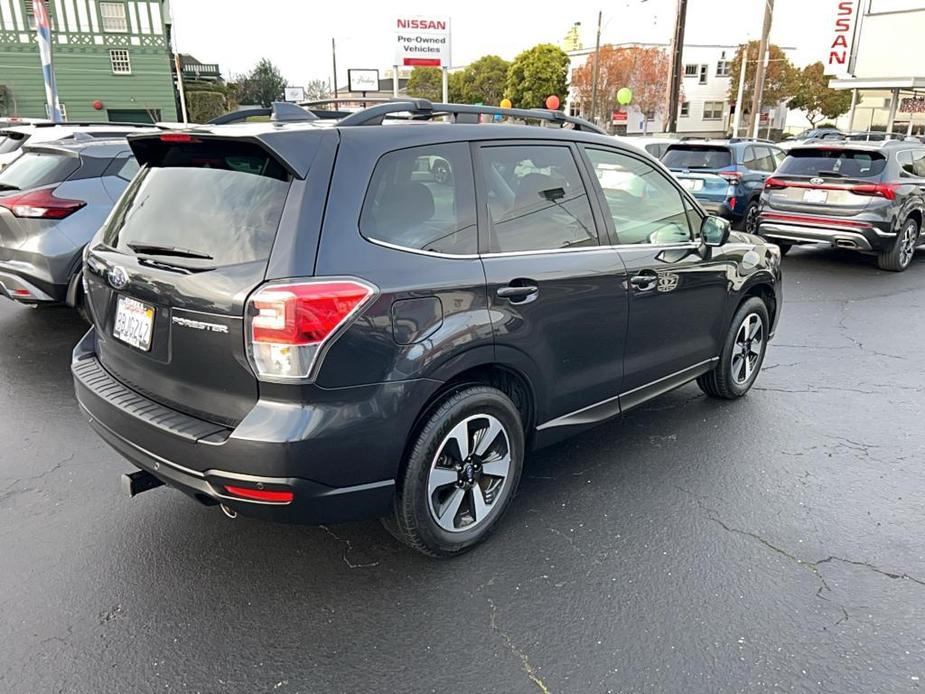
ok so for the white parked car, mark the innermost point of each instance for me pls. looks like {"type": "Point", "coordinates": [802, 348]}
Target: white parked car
{"type": "Point", "coordinates": [655, 146]}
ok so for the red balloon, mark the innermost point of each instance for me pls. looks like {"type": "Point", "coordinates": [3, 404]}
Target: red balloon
{"type": "Point", "coordinates": [552, 102]}
{"type": "Point", "coordinates": [97, 105]}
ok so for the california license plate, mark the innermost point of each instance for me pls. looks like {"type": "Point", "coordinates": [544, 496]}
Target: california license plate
{"type": "Point", "coordinates": [817, 197]}
{"type": "Point", "coordinates": [692, 184]}
{"type": "Point", "coordinates": [134, 323]}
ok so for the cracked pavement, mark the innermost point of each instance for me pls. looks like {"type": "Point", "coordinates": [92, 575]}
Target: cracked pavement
{"type": "Point", "coordinates": [770, 544]}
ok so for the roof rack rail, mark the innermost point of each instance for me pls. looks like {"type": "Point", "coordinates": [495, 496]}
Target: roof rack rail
{"type": "Point", "coordinates": [84, 124]}
{"type": "Point", "coordinates": [422, 109]}
{"type": "Point", "coordinates": [279, 112]}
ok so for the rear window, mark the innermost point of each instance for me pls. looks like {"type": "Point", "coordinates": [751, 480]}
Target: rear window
{"type": "Point", "coordinates": [845, 163]}
{"type": "Point", "coordinates": [37, 169]}
{"type": "Point", "coordinates": [697, 157]}
{"type": "Point", "coordinates": [219, 199]}
{"type": "Point", "coordinates": [11, 142]}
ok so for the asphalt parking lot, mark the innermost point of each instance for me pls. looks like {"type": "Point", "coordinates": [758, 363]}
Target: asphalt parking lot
{"type": "Point", "coordinates": [775, 543]}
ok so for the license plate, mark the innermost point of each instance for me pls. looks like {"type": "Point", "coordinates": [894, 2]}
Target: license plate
{"type": "Point", "coordinates": [815, 196]}
{"type": "Point", "coordinates": [134, 323]}
{"type": "Point", "coordinates": [692, 184]}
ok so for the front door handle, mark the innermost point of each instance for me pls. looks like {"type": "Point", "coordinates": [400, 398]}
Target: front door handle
{"type": "Point", "coordinates": [515, 293]}
{"type": "Point", "coordinates": [644, 282]}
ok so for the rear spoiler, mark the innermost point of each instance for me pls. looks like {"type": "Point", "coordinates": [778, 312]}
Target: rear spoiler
{"type": "Point", "coordinates": [293, 154]}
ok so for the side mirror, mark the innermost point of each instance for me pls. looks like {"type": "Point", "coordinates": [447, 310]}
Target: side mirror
{"type": "Point", "coordinates": [714, 231]}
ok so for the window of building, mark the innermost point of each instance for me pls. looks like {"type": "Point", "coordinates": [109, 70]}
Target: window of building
{"type": "Point", "coordinates": [703, 73]}
{"type": "Point", "coordinates": [713, 110]}
{"type": "Point", "coordinates": [113, 17]}
{"type": "Point", "coordinates": [690, 70]}
{"type": "Point", "coordinates": [536, 199]}
{"type": "Point", "coordinates": [574, 109]}
{"type": "Point", "coordinates": [121, 63]}
{"type": "Point", "coordinates": [685, 109]}
{"type": "Point", "coordinates": [646, 208]}
{"type": "Point", "coordinates": [30, 15]}
{"type": "Point", "coordinates": [423, 199]}
{"type": "Point", "coordinates": [723, 68]}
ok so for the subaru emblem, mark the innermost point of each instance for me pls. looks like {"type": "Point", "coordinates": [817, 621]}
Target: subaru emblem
{"type": "Point", "coordinates": [118, 277]}
{"type": "Point", "coordinates": [816, 181]}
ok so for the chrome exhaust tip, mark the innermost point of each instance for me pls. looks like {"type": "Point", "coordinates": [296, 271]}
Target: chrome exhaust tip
{"type": "Point", "coordinates": [231, 513]}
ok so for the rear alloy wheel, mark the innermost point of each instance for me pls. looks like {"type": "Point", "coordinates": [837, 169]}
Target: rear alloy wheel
{"type": "Point", "coordinates": [742, 355]}
{"type": "Point", "coordinates": [899, 257]}
{"type": "Point", "coordinates": [461, 473]}
{"type": "Point", "coordinates": [750, 219]}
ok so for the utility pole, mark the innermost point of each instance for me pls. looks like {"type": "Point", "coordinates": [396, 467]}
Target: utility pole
{"type": "Point", "coordinates": [597, 69]}
{"type": "Point", "coordinates": [674, 82]}
{"type": "Point", "coordinates": [334, 77]}
{"type": "Point", "coordinates": [762, 66]}
{"type": "Point", "coordinates": [738, 114]}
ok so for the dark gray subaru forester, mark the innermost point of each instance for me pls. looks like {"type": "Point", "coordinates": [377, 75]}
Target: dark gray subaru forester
{"type": "Point", "coordinates": [320, 324]}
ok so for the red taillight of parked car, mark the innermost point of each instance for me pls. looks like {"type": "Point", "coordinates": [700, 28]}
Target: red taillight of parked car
{"type": "Point", "coordinates": [880, 190]}
{"type": "Point", "coordinates": [40, 204]}
{"type": "Point", "coordinates": [289, 324]}
{"type": "Point", "coordinates": [774, 184]}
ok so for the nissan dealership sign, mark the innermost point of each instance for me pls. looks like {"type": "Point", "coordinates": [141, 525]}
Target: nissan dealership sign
{"type": "Point", "coordinates": [422, 41]}
{"type": "Point", "coordinates": [839, 37]}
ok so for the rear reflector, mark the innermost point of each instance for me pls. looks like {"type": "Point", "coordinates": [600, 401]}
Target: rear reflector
{"type": "Point", "coordinates": [40, 204]}
{"type": "Point", "coordinates": [289, 324]}
{"type": "Point", "coordinates": [277, 497]}
{"type": "Point", "coordinates": [21, 292]}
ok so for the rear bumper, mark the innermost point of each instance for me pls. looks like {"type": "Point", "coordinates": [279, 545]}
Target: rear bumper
{"type": "Point", "coordinates": [24, 289]}
{"type": "Point", "coordinates": [720, 209]}
{"type": "Point", "coordinates": [339, 467]}
{"type": "Point", "coordinates": [872, 237]}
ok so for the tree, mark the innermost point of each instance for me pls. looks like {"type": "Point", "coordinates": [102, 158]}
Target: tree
{"type": "Point", "coordinates": [536, 74]}
{"type": "Point", "coordinates": [204, 105]}
{"type": "Point", "coordinates": [650, 80]}
{"type": "Point", "coordinates": [263, 85]}
{"type": "Point", "coordinates": [316, 90]}
{"type": "Point", "coordinates": [616, 70]}
{"type": "Point", "coordinates": [485, 80]}
{"type": "Point", "coordinates": [811, 92]}
{"type": "Point", "coordinates": [778, 82]}
{"type": "Point", "coordinates": [426, 83]}
{"type": "Point", "coordinates": [456, 87]}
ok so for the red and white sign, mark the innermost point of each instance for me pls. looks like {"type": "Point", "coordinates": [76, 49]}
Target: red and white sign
{"type": "Point", "coordinates": [912, 105]}
{"type": "Point", "coordinates": [620, 117]}
{"type": "Point", "coordinates": [839, 37]}
{"type": "Point", "coordinates": [422, 41]}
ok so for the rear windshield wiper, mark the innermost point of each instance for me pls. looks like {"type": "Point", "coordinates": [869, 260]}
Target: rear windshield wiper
{"type": "Point", "coordinates": [154, 249]}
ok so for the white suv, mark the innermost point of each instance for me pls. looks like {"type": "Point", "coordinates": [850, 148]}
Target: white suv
{"type": "Point", "coordinates": [13, 138]}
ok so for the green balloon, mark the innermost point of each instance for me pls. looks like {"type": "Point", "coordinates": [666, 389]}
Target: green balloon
{"type": "Point", "coordinates": [624, 96]}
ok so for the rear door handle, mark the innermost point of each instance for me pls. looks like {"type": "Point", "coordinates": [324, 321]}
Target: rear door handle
{"type": "Point", "coordinates": [517, 292]}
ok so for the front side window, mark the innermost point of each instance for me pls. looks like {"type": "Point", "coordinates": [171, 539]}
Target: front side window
{"type": "Point", "coordinates": [645, 207]}
{"type": "Point", "coordinates": [536, 199]}
{"type": "Point", "coordinates": [423, 199]}
{"type": "Point", "coordinates": [121, 63]}
{"type": "Point", "coordinates": [906, 169]}
{"type": "Point", "coordinates": [113, 17]}
{"type": "Point", "coordinates": [918, 163]}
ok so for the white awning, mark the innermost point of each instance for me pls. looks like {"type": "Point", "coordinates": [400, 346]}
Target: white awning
{"type": "Point", "coordinates": [878, 83]}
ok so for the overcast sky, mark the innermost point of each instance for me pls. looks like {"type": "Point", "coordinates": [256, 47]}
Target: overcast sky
{"type": "Point", "coordinates": [296, 34]}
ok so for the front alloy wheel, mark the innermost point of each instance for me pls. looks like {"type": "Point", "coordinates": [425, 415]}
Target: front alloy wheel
{"type": "Point", "coordinates": [743, 352]}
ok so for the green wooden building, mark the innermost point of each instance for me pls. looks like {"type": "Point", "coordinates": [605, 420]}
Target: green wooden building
{"type": "Point", "coordinates": [112, 60]}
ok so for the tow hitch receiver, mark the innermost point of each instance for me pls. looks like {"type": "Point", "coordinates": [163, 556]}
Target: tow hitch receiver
{"type": "Point", "coordinates": [134, 483]}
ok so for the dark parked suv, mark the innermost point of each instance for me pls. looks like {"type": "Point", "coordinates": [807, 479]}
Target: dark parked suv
{"type": "Point", "coordinates": [309, 324]}
{"type": "Point", "coordinates": [868, 197]}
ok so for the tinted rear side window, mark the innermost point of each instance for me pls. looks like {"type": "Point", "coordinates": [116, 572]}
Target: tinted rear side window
{"type": "Point", "coordinates": [37, 169]}
{"type": "Point", "coordinates": [219, 198]}
{"type": "Point", "coordinates": [536, 199]}
{"type": "Point", "coordinates": [423, 198]}
{"type": "Point", "coordinates": [697, 157]}
{"type": "Point", "coordinates": [846, 163]}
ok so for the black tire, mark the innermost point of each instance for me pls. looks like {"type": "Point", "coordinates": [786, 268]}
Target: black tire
{"type": "Point", "coordinates": [898, 257]}
{"type": "Point", "coordinates": [411, 520]}
{"type": "Point", "coordinates": [750, 218]}
{"type": "Point", "coordinates": [722, 382]}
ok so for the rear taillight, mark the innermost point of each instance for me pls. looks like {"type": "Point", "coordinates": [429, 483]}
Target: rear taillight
{"type": "Point", "coordinates": [774, 184]}
{"type": "Point", "coordinates": [40, 204]}
{"type": "Point", "coordinates": [290, 324]}
{"type": "Point", "coordinates": [882, 190]}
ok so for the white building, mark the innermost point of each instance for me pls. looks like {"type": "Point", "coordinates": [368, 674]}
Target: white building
{"type": "Point", "coordinates": [705, 110]}
{"type": "Point", "coordinates": [885, 69]}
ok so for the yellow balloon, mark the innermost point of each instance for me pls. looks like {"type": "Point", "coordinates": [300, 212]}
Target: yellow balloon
{"type": "Point", "coordinates": [506, 103]}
